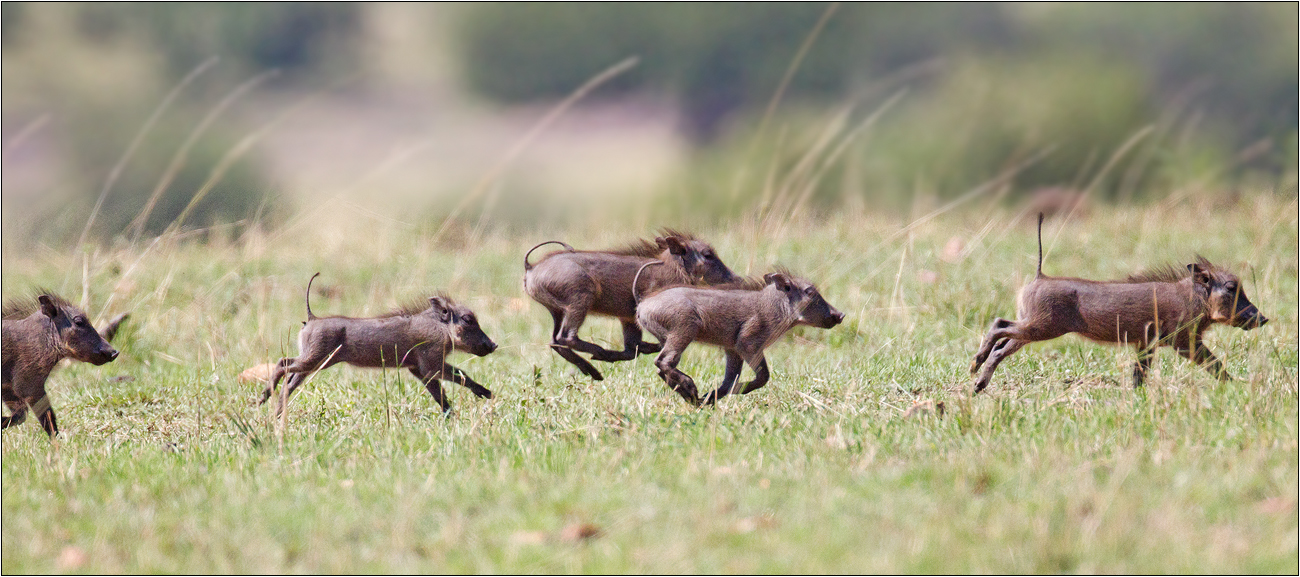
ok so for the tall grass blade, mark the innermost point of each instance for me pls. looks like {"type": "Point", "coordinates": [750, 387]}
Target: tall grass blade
{"type": "Point", "coordinates": [116, 172]}
{"type": "Point", "coordinates": [136, 227]}
{"type": "Point", "coordinates": [523, 143]}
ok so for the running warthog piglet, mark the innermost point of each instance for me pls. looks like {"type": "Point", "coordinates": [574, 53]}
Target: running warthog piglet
{"type": "Point", "coordinates": [1168, 306]}
{"type": "Point", "coordinates": [37, 334]}
{"type": "Point", "coordinates": [743, 321]}
{"type": "Point", "coordinates": [416, 337]}
{"type": "Point", "coordinates": [573, 283]}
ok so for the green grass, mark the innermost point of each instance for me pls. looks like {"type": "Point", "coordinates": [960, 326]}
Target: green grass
{"type": "Point", "coordinates": [1059, 467]}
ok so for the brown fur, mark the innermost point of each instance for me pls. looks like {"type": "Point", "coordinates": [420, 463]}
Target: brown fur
{"type": "Point", "coordinates": [37, 334]}
{"type": "Point", "coordinates": [24, 307]}
{"type": "Point", "coordinates": [413, 307]}
{"type": "Point", "coordinates": [742, 321]}
{"type": "Point", "coordinates": [1167, 273]}
{"type": "Point", "coordinates": [572, 284]}
{"type": "Point", "coordinates": [650, 248]}
{"type": "Point", "coordinates": [1159, 307]}
{"type": "Point", "coordinates": [417, 340]}
{"type": "Point", "coordinates": [742, 283]}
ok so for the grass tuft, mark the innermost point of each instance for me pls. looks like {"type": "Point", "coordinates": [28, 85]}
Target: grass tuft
{"type": "Point", "coordinates": [1059, 467]}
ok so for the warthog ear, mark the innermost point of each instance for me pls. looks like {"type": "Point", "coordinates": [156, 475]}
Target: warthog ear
{"type": "Point", "coordinates": [780, 280]}
{"type": "Point", "coordinates": [1200, 274]}
{"type": "Point", "coordinates": [440, 309]}
{"type": "Point", "coordinates": [47, 306]}
{"type": "Point", "coordinates": [672, 243]}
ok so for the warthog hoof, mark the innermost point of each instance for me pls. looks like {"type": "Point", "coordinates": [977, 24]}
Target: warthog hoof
{"type": "Point", "coordinates": [688, 392]}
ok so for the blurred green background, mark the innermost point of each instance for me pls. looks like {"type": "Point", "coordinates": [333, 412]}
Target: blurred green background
{"type": "Point", "coordinates": [436, 116]}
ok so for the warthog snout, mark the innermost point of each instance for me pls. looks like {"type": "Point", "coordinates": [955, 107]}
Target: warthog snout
{"type": "Point", "coordinates": [1253, 321]}
{"type": "Point", "coordinates": [484, 349]}
{"type": "Point", "coordinates": [814, 310]}
{"type": "Point", "coordinates": [836, 318]}
{"type": "Point", "coordinates": [830, 319]}
{"type": "Point", "coordinates": [1247, 316]}
{"type": "Point", "coordinates": [104, 356]}
{"type": "Point", "coordinates": [1227, 294]}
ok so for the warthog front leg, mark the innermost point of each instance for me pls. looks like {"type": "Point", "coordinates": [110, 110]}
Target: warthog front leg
{"type": "Point", "coordinates": [1201, 355]}
{"type": "Point", "coordinates": [734, 362]}
{"type": "Point", "coordinates": [459, 377]}
{"type": "Point", "coordinates": [431, 384]}
{"type": "Point", "coordinates": [750, 346]}
{"type": "Point", "coordinates": [761, 375]}
{"type": "Point", "coordinates": [1143, 364]}
{"type": "Point", "coordinates": [45, 413]}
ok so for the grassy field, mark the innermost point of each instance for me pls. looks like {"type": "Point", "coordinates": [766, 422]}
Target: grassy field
{"type": "Point", "coordinates": [1059, 467]}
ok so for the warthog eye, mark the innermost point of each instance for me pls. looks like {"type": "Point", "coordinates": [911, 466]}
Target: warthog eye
{"type": "Point", "coordinates": [79, 321]}
{"type": "Point", "coordinates": [810, 291]}
{"type": "Point", "coordinates": [1231, 287]}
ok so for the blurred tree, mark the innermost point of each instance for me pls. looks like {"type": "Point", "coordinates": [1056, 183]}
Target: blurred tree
{"type": "Point", "coordinates": [1010, 81]}
{"type": "Point", "coordinates": [12, 15]}
{"type": "Point", "coordinates": [1237, 62]}
{"type": "Point", "coordinates": [240, 192]}
{"type": "Point", "coordinates": [114, 60]}
{"type": "Point", "coordinates": [522, 51]}
{"type": "Point", "coordinates": [296, 37]}
{"type": "Point", "coordinates": [1064, 115]}
{"type": "Point", "coordinates": [724, 57]}
{"type": "Point", "coordinates": [714, 58]}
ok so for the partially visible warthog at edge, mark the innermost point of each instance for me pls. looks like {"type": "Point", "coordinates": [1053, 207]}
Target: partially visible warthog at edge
{"type": "Point", "coordinates": [743, 321]}
{"type": "Point", "coordinates": [37, 334]}
{"type": "Point", "coordinates": [112, 326]}
{"type": "Point", "coordinates": [573, 283]}
{"type": "Point", "coordinates": [1164, 307]}
{"type": "Point", "coordinates": [416, 337]}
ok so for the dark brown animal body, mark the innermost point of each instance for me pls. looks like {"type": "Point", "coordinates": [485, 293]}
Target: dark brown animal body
{"type": "Point", "coordinates": [742, 321]}
{"type": "Point", "coordinates": [416, 338]}
{"type": "Point", "coordinates": [1167, 307]}
{"type": "Point", "coordinates": [36, 336]}
{"type": "Point", "coordinates": [572, 284]}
